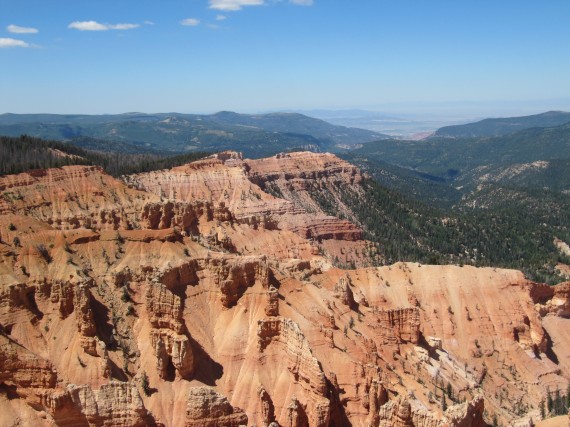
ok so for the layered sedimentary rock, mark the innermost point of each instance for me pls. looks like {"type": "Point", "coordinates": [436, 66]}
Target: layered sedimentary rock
{"type": "Point", "coordinates": [114, 404]}
{"type": "Point", "coordinates": [207, 408]}
{"type": "Point", "coordinates": [178, 297]}
{"type": "Point", "coordinates": [399, 325]}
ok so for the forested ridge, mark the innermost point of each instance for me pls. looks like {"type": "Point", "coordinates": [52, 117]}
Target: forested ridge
{"type": "Point", "coordinates": [19, 154]}
{"type": "Point", "coordinates": [407, 229]}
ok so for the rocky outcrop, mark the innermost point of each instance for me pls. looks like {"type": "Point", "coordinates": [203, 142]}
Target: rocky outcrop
{"type": "Point", "coordinates": [399, 325]}
{"type": "Point", "coordinates": [468, 414]}
{"type": "Point", "coordinates": [559, 304]}
{"type": "Point", "coordinates": [207, 408]}
{"type": "Point", "coordinates": [344, 293]}
{"type": "Point", "coordinates": [267, 407]}
{"type": "Point", "coordinates": [185, 216]}
{"type": "Point", "coordinates": [233, 278]}
{"type": "Point", "coordinates": [72, 197]}
{"type": "Point", "coordinates": [164, 308]}
{"type": "Point", "coordinates": [169, 338]}
{"type": "Point", "coordinates": [22, 369]}
{"type": "Point", "coordinates": [114, 404]}
{"type": "Point", "coordinates": [304, 368]}
{"type": "Point", "coordinates": [400, 413]}
{"type": "Point", "coordinates": [215, 180]}
{"type": "Point", "coordinates": [296, 415]}
{"type": "Point", "coordinates": [302, 364]}
{"type": "Point", "coordinates": [272, 308]}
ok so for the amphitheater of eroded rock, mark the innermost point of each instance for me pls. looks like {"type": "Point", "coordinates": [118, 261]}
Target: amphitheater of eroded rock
{"type": "Point", "coordinates": [207, 295]}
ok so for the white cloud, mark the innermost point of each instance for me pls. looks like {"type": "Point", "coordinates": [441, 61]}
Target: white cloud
{"type": "Point", "coordinates": [234, 4]}
{"type": "Point", "coordinates": [221, 18]}
{"type": "Point", "coordinates": [302, 2]}
{"type": "Point", "coordinates": [190, 22]}
{"type": "Point", "coordinates": [8, 42]}
{"type": "Point", "coordinates": [123, 26]}
{"type": "Point", "coordinates": [149, 23]}
{"type": "Point", "coordinates": [16, 29]}
{"type": "Point", "coordinates": [87, 26]}
{"type": "Point", "coordinates": [96, 26]}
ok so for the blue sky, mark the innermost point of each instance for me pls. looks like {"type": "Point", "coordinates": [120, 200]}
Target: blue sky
{"type": "Point", "coordinates": [103, 56]}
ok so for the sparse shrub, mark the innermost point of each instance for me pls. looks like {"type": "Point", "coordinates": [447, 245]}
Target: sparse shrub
{"type": "Point", "coordinates": [44, 253]}
{"type": "Point", "coordinates": [16, 242]}
{"type": "Point", "coordinates": [12, 227]}
{"type": "Point", "coordinates": [81, 362]}
{"type": "Point", "coordinates": [125, 297]}
{"type": "Point", "coordinates": [145, 384]}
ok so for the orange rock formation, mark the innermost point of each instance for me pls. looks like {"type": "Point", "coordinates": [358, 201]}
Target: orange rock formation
{"type": "Point", "coordinates": [206, 296]}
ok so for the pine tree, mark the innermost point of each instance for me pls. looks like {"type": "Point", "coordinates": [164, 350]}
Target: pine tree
{"type": "Point", "coordinates": [449, 391]}
{"type": "Point", "coordinates": [549, 402]}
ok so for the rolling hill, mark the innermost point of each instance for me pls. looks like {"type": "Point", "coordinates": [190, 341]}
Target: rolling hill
{"type": "Point", "coordinates": [504, 126]}
{"type": "Point", "coordinates": [254, 135]}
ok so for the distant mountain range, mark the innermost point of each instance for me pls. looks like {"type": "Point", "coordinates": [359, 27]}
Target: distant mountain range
{"type": "Point", "coordinates": [449, 158]}
{"type": "Point", "coordinates": [504, 126]}
{"type": "Point", "coordinates": [256, 135]}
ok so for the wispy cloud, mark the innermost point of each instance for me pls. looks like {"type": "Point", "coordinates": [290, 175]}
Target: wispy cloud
{"type": "Point", "coordinates": [231, 5]}
{"type": "Point", "coordinates": [302, 2]}
{"type": "Point", "coordinates": [148, 23]}
{"type": "Point", "coordinates": [190, 22]}
{"type": "Point", "coordinates": [8, 42]}
{"type": "Point", "coordinates": [123, 26]}
{"type": "Point", "coordinates": [16, 29]}
{"type": "Point", "coordinates": [221, 17]}
{"type": "Point", "coordinates": [96, 26]}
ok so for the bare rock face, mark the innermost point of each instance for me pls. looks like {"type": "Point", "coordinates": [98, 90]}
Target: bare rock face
{"type": "Point", "coordinates": [22, 369]}
{"type": "Point", "coordinates": [206, 408]}
{"type": "Point", "coordinates": [267, 407]}
{"type": "Point", "coordinates": [244, 191]}
{"type": "Point", "coordinates": [114, 404]}
{"type": "Point", "coordinates": [560, 302]}
{"type": "Point", "coordinates": [272, 308]}
{"type": "Point", "coordinates": [302, 364]}
{"type": "Point", "coordinates": [296, 415]}
{"type": "Point", "coordinates": [468, 414]}
{"type": "Point", "coordinates": [343, 292]}
{"type": "Point", "coordinates": [177, 297]}
{"type": "Point", "coordinates": [399, 325]}
{"type": "Point", "coordinates": [401, 413]}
